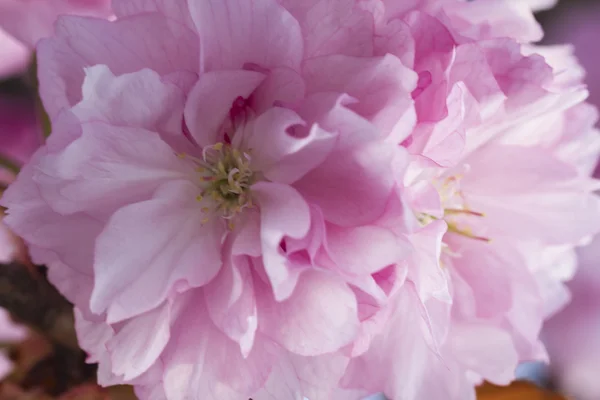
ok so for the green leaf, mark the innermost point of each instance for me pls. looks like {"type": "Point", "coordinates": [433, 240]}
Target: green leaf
{"type": "Point", "coordinates": [39, 106]}
{"type": "Point", "coordinates": [9, 164]}
{"type": "Point", "coordinates": [43, 117]}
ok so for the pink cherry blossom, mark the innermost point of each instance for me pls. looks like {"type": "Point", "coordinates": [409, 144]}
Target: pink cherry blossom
{"type": "Point", "coordinates": [24, 22]}
{"type": "Point", "coordinates": [228, 178]}
{"type": "Point", "coordinates": [322, 199]}
{"type": "Point", "coordinates": [14, 55]}
{"type": "Point", "coordinates": [577, 27]}
{"type": "Point", "coordinates": [506, 165]}
{"type": "Point", "coordinates": [20, 136]}
{"type": "Point", "coordinates": [572, 335]}
{"type": "Point", "coordinates": [9, 332]}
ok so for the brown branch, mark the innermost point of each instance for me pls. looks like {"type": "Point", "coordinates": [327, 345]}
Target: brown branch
{"type": "Point", "coordinates": [32, 300]}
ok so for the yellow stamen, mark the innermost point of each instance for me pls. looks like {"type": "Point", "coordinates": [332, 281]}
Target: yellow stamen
{"type": "Point", "coordinates": [466, 232]}
{"type": "Point", "coordinates": [454, 211]}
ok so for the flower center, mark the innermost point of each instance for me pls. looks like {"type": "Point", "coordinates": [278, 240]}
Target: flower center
{"type": "Point", "coordinates": [227, 174]}
{"type": "Point", "coordinates": [456, 213]}
{"type": "Point", "coordinates": [225, 179]}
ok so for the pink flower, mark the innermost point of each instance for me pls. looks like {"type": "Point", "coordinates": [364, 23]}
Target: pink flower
{"type": "Point", "coordinates": [14, 55]}
{"type": "Point", "coordinates": [505, 163]}
{"type": "Point", "coordinates": [227, 174]}
{"type": "Point", "coordinates": [578, 26]}
{"type": "Point", "coordinates": [572, 335]}
{"type": "Point", "coordinates": [285, 199]}
{"type": "Point", "coordinates": [24, 22]}
{"type": "Point", "coordinates": [9, 332]}
{"type": "Point", "coordinates": [20, 136]}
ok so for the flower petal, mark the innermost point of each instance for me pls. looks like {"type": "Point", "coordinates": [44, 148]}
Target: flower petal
{"type": "Point", "coordinates": [297, 377]}
{"type": "Point", "coordinates": [237, 32]}
{"type": "Point", "coordinates": [426, 269]}
{"type": "Point", "coordinates": [177, 247]}
{"type": "Point", "coordinates": [14, 55]}
{"type": "Point", "coordinates": [283, 213]}
{"type": "Point", "coordinates": [535, 195]}
{"type": "Point", "coordinates": [352, 186]}
{"type": "Point", "coordinates": [334, 26]}
{"type": "Point", "coordinates": [139, 343]}
{"type": "Point", "coordinates": [231, 304]}
{"type": "Point", "coordinates": [383, 86]}
{"type": "Point", "coordinates": [211, 99]}
{"type": "Point", "coordinates": [365, 250]}
{"type": "Point", "coordinates": [278, 154]}
{"type": "Point", "coordinates": [126, 45]}
{"type": "Point", "coordinates": [107, 167]}
{"type": "Point", "coordinates": [138, 99]}
{"type": "Point", "coordinates": [321, 317]}
{"type": "Point", "coordinates": [174, 9]}
{"type": "Point", "coordinates": [201, 359]}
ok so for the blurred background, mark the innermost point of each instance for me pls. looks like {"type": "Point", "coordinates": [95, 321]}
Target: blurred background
{"type": "Point", "coordinates": [572, 336]}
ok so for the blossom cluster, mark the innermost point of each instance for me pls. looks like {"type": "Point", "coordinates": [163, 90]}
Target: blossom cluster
{"type": "Point", "coordinates": [322, 199]}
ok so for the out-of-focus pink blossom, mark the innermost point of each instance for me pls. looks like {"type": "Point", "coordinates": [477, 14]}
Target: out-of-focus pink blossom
{"type": "Point", "coordinates": [9, 332]}
{"type": "Point", "coordinates": [577, 25]}
{"type": "Point", "coordinates": [512, 183]}
{"type": "Point", "coordinates": [326, 198]}
{"type": "Point", "coordinates": [572, 336]}
{"type": "Point", "coordinates": [20, 133]}
{"type": "Point", "coordinates": [14, 55]}
{"type": "Point", "coordinates": [20, 137]}
{"type": "Point", "coordinates": [24, 22]}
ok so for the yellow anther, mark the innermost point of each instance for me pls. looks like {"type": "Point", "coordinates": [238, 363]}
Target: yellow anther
{"type": "Point", "coordinates": [230, 225]}
{"type": "Point", "coordinates": [451, 211]}
{"type": "Point", "coordinates": [467, 232]}
{"type": "Point", "coordinates": [199, 198]}
{"type": "Point", "coordinates": [204, 221]}
{"type": "Point", "coordinates": [205, 209]}
{"type": "Point", "coordinates": [181, 155]}
{"type": "Point", "coordinates": [218, 146]}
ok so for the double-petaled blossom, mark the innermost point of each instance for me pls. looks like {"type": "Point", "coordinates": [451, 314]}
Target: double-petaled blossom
{"type": "Point", "coordinates": [280, 199]}
{"type": "Point", "coordinates": [499, 179]}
